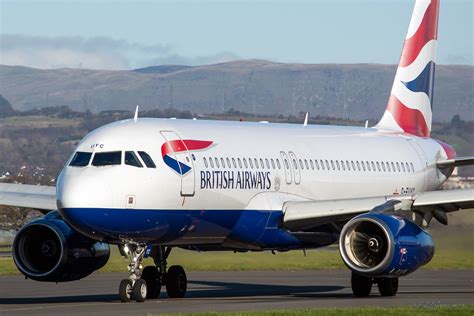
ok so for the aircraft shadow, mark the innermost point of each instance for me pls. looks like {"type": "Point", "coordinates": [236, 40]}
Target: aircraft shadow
{"type": "Point", "coordinates": [209, 289]}
{"type": "Point", "coordinates": [232, 289]}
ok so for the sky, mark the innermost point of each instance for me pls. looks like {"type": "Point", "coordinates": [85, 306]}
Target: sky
{"type": "Point", "coordinates": [106, 34]}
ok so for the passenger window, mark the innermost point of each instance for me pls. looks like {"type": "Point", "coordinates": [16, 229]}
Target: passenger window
{"type": "Point", "coordinates": [373, 166]}
{"type": "Point", "coordinates": [250, 163]}
{"type": "Point", "coordinates": [211, 162]}
{"type": "Point", "coordinates": [295, 165]}
{"type": "Point", "coordinates": [267, 163]}
{"type": "Point", "coordinates": [205, 161]}
{"type": "Point", "coordinates": [286, 164]}
{"type": "Point", "coordinates": [311, 163]}
{"type": "Point", "coordinates": [81, 159]}
{"type": "Point", "coordinates": [217, 162]}
{"type": "Point", "coordinates": [403, 167]}
{"type": "Point", "coordinates": [245, 163]}
{"type": "Point", "coordinates": [388, 166]}
{"type": "Point", "coordinates": [327, 165]}
{"type": "Point", "coordinates": [273, 163]}
{"type": "Point", "coordinates": [383, 166]}
{"type": "Point", "coordinates": [348, 165]}
{"type": "Point", "coordinates": [306, 164]}
{"type": "Point", "coordinates": [358, 165]}
{"type": "Point", "coordinates": [378, 166]}
{"type": "Point", "coordinates": [398, 166]}
{"type": "Point", "coordinates": [132, 160]}
{"type": "Point", "coordinates": [412, 167]}
{"type": "Point", "coordinates": [107, 158]}
{"type": "Point", "coordinates": [337, 165]}
{"type": "Point", "coordinates": [147, 159]}
{"type": "Point", "coordinates": [316, 163]}
{"type": "Point", "coordinates": [239, 162]}
{"type": "Point", "coordinates": [301, 164]}
{"type": "Point", "coordinates": [343, 166]}
{"type": "Point", "coordinates": [222, 162]}
{"type": "Point", "coordinates": [233, 163]}
{"type": "Point", "coordinates": [353, 165]}
{"type": "Point", "coordinates": [228, 163]}
{"type": "Point", "coordinates": [261, 164]}
{"type": "Point", "coordinates": [393, 166]}
{"type": "Point", "coordinates": [255, 162]}
{"type": "Point", "coordinates": [363, 165]}
{"type": "Point", "coordinates": [278, 163]}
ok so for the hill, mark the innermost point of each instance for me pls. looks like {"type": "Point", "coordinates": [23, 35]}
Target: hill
{"type": "Point", "coordinates": [355, 91]}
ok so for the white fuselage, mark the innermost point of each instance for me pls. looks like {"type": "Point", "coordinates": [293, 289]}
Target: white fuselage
{"type": "Point", "coordinates": [299, 163]}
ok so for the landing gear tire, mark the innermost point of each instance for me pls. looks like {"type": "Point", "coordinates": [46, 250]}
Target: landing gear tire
{"type": "Point", "coordinates": [139, 290]}
{"type": "Point", "coordinates": [125, 290]}
{"type": "Point", "coordinates": [387, 286]}
{"type": "Point", "coordinates": [361, 285]}
{"type": "Point", "coordinates": [153, 284]}
{"type": "Point", "coordinates": [176, 282]}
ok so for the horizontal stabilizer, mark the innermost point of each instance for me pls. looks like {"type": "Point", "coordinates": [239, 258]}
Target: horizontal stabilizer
{"type": "Point", "coordinates": [456, 162]}
{"type": "Point", "coordinates": [31, 196]}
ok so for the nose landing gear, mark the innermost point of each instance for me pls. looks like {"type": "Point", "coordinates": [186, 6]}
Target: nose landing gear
{"type": "Point", "coordinates": [146, 284]}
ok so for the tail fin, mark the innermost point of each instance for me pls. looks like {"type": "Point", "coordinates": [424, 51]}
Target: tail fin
{"type": "Point", "coordinates": [409, 107]}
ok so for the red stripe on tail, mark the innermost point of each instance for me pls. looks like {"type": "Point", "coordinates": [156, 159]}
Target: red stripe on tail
{"type": "Point", "coordinates": [427, 31]}
{"type": "Point", "coordinates": [410, 120]}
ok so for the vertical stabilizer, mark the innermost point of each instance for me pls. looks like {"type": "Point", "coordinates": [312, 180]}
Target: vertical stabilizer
{"type": "Point", "coordinates": [409, 107]}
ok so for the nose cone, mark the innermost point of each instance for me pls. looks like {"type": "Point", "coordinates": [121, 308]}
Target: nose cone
{"type": "Point", "coordinates": [80, 193]}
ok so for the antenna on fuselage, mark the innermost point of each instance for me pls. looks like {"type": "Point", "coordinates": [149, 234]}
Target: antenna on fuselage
{"type": "Point", "coordinates": [135, 117]}
{"type": "Point", "coordinates": [306, 119]}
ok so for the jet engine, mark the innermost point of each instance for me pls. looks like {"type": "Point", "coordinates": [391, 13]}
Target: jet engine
{"type": "Point", "coordinates": [380, 245]}
{"type": "Point", "coordinates": [47, 249]}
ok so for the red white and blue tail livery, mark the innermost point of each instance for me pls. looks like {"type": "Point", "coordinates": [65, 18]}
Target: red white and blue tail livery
{"type": "Point", "coordinates": [410, 105]}
{"type": "Point", "coordinates": [149, 185]}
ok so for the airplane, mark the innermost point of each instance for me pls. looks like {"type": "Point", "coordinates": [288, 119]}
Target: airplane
{"type": "Point", "coordinates": [150, 185]}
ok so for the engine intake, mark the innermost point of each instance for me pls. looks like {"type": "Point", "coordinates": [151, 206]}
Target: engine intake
{"type": "Point", "coordinates": [384, 245]}
{"type": "Point", "coordinates": [47, 249]}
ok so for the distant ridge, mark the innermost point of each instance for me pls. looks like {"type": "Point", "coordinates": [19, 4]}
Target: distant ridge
{"type": "Point", "coordinates": [355, 91]}
{"type": "Point", "coordinates": [162, 69]}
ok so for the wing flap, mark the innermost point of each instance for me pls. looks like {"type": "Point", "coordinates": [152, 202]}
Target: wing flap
{"type": "Point", "coordinates": [448, 200]}
{"type": "Point", "coordinates": [31, 196]}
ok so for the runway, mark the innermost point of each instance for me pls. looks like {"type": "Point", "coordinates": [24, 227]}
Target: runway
{"type": "Point", "coordinates": [231, 291]}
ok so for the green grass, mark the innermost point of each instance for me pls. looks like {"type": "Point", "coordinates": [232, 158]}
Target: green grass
{"type": "Point", "coordinates": [453, 251]}
{"type": "Point", "coordinates": [446, 310]}
{"type": "Point", "coordinates": [36, 122]}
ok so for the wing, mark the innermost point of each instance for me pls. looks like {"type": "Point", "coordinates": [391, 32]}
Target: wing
{"type": "Point", "coordinates": [300, 215]}
{"type": "Point", "coordinates": [31, 196]}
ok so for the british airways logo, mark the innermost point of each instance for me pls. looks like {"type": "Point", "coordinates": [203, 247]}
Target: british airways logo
{"type": "Point", "coordinates": [173, 147]}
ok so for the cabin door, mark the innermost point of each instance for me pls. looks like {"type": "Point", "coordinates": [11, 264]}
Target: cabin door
{"type": "Point", "coordinates": [177, 156]}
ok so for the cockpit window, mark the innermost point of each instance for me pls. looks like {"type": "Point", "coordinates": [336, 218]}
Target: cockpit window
{"type": "Point", "coordinates": [132, 160]}
{"type": "Point", "coordinates": [80, 159]}
{"type": "Point", "coordinates": [147, 159]}
{"type": "Point", "coordinates": [107, 158]}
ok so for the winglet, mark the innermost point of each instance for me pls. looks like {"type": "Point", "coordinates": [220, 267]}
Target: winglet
{"type": "Point", "coordinates": [135, 117]}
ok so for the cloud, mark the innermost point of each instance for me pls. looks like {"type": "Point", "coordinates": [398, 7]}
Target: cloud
{"type": "Point", "coordinates": [92, 53]}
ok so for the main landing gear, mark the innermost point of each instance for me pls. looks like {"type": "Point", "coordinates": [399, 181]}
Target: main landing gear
{"type": "Point", "coordinates": [362, 285]}
{"type": "Point", "coordinates": [146, 284]}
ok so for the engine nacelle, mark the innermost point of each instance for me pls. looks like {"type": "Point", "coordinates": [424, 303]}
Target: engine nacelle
{"type": "Point", "coordinates": [382, 245]}
{"type": "Point", "coordinates": [47, 249]}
